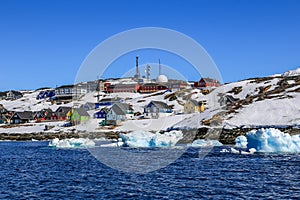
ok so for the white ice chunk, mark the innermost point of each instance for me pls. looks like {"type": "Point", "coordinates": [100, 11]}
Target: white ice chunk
{"type": "Point", "coordinates": [72, 143]}
{"type": "Point", "coordinates": [147, 139]}
{"type": "Point", "coordinates": [241, 142]}
{"type": "Point", "coordinates": [269, 140]}
{"type": "Point", "coordinates": [205, 143]}
{"type": "Point", "coordinates": [224, 151]}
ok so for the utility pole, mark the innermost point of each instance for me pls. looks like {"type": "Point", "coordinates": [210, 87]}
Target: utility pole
{"type": "Point", "coordinates": [98, 88]}
{"type": "Point", "coordinates": [159, 67]}
{"type": "Point", "coordinates": [148, 72]}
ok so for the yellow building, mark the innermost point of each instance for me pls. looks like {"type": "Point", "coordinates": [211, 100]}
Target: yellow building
{"type": "Point", "coordinates": [192, 106]}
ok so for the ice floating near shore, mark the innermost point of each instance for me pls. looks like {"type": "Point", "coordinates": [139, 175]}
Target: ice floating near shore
{"type": "Point", "coordinates": [241, 142]}
{"type": "Point", "coordinates": [205, 143]}
{"type": "Point", "coordinates": [235, 151]}
{"type": "Point", "coordinates": [270, 141]}
{"type": "Point", "coordinates": [72, 143]}
{"type": "Point", "coordinates": [147, 139]}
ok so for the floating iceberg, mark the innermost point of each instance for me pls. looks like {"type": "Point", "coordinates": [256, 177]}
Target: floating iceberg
{"type": "Point", "coordinates": [269, 140]}
{"type": "Point", "coordinates": [72, 143]}
{"type": "Point", "coordinates": [147, 139]}
{"type": "Point", "coordinates": [205, 143]}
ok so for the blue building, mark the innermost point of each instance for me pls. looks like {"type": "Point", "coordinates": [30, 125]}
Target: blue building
{"type": "Point", "coordinates": [101, 114]}
{"type": "Point", "coordinates": [45, 94]}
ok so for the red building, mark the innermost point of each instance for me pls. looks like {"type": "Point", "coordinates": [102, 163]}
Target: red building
{"type": "Point", "coordinates": [122, 88]}
{"type": "Point", "coordinates": [207, 82]}
{"type": "Point", "coordinates": [151, 87]}
{"type": "Point", "coordinates": [141, 88]}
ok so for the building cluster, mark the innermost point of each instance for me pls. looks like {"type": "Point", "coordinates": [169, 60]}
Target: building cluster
{"type": "Point", "coordinates": [135, 84]}
{"type": "Point", "coordinates": [111, 110]}
{"type": "Point", "coordinates": [66, 93]}
{"type": "Point", "coordinates": [69, 114]}
{"type": "Point", "coordinates": [116, 111]}
{"type": "Point", "coordinates": [119, 112]}
{"type": "Point", "coordinates": [10, 95]}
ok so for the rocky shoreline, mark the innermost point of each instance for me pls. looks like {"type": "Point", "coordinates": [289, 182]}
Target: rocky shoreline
{"type": "Point", "coordinates": [225, 136]}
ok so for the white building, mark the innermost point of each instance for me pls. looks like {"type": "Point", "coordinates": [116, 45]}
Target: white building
{"type": "Point", "coordinates": [157, 109]}
{"type": "Point", "coordinates": [120, 112]}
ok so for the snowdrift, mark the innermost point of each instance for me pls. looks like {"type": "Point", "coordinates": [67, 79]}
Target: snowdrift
{"type": "Point", "coordinates": [269, 141]}
{"type": "Point", "coordinates": [147, 139]}
{"type": "Point", "coordinates": [72, 143]}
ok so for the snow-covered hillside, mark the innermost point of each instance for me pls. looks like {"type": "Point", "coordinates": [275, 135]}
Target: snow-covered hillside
{"type": "Point", "coordinates": [270, 101]}
{"type": "Point", "coordinates": [267, 101]}
{"type": "Point", "coordinates": [29, 103]}
{"type": "Point", "coordinates": [295, 72]}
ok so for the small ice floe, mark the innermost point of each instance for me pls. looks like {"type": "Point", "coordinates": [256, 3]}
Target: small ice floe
{"type": "Point", "coordinates": [100, 139]}
{"type": "Point", "coordinates": [72, 143]}
{"type": "Point", "coordinates": [113, 143]}
{"type": "Point", "coordinates": [205, 143]}
{"type": "Point", "coordinates": [224, 151]}
{"type": "Point", "coordinates": [235, 151]}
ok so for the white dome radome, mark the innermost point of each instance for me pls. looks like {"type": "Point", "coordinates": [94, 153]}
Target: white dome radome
{"type": "Point", "coordinates": [162, 79]}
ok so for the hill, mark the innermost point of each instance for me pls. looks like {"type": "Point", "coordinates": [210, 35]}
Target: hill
{"type": "Point", "coordinates": [272, 101]}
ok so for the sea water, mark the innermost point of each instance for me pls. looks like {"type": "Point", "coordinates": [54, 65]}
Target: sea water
{"type": "Point", "coordinates": [33, 170]}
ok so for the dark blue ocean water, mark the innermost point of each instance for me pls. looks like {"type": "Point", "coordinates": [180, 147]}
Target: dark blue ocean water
{"type": "Point", "coordinates": [31, 170]}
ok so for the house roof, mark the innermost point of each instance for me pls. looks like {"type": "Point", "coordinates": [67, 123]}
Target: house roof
{"type": "Point", "coordinates": [47, 112]}
{"type": "Point", "coordinates": [25, 115]}
{"type": "Point", "coordinates": [65, 109]}
{"type": "Point", "coordinates": [15, 92]}
{"type": "Point", "coordinates": [89, 104]}
{"type": "Point", "coordinates": [81, 111]}
{"type": "Point", "coordinates": [121, 108]}
{"type": "Point", "coordinates": [160, 104]}
{"type": "Point", "coordinates": [118, 110]}
{"type": "Point", "coordinates": [110, 99]}
{"type": "Point", "coordinates": [105, 110]}
{"type": "Point", "coordinates": [210, 80]}
{"type": "Point", "coordinates": [2, 94]}
{"type": "Point", "coordinates": [92, 105]}
{"type": "Point", "coordinates": [230, 98]}
{"type": "Point", "coordinates": [194, 102]}
{"type": "Point", "coordinates": [65, 86]}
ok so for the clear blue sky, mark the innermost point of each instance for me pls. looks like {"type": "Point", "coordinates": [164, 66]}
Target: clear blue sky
{"type": "Point", "coordinates": [44, 42]}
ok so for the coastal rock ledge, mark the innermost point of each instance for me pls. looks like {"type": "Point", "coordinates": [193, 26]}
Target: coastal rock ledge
{"type": "Point", "coordinates": [225, 136]}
